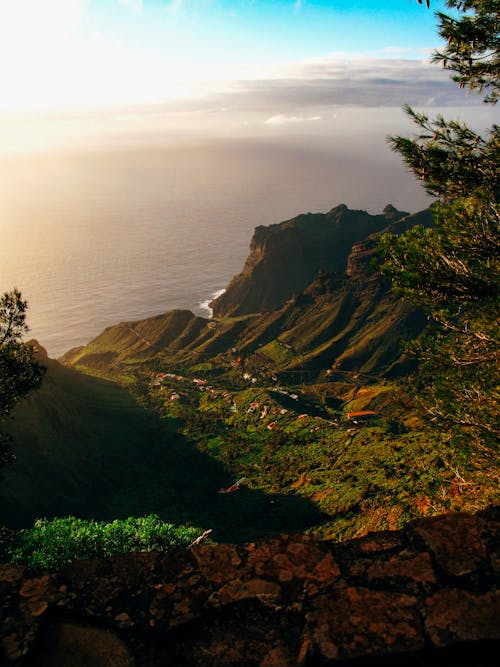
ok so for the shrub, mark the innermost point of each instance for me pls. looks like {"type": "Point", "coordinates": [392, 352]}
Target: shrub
{"type": "Point", "coordinates": [52, 544]}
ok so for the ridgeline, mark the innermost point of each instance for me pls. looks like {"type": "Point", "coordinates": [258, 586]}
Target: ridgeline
{"type": "Point", "coordinates": [299, 383]}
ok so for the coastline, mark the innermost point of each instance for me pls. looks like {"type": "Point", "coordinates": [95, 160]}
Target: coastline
{"type": "Point", "coordinates": [204, 306]}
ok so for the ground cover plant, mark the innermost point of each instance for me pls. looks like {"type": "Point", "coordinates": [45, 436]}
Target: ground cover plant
{"type": "Point", "coordinates": [52, 544]}
{"type": "Point", "coordinates": [360, 475]}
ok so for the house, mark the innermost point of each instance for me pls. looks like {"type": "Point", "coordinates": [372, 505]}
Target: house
{"type": "Point", "coordinates": [363, 414]}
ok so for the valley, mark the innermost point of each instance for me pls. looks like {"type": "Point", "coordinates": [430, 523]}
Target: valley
{"type": "Point", "coordinates": [313, 402]}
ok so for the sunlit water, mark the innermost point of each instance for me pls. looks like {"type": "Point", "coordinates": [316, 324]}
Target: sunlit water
{"type": "Point", "coordinates": [95, 239]}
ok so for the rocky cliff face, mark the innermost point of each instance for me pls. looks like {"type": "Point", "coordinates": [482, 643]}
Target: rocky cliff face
{"type": "Point", "coordinates": [422, 596]}
{"type": "Point", "coordinates": [349, 321]}
{"type": "Point", "coordinates": [284, 258]}
{"type": "Point", "coordinates": [346, 318]}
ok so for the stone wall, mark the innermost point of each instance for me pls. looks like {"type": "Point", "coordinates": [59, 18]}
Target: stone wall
{"type": "Point", "coordinates": [422, 596]}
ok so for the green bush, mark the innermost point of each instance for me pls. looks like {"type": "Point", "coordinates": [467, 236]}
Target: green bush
{"type": "Point", "coordinates": [52, 544]}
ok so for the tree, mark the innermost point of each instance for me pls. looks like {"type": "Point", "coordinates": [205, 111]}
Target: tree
{"type": "Point", "coordinates": [453, 268]}
{"type": "Point", "coordinates": [20, 373]}
{"type": "Point", "coordinates": [473, 51]}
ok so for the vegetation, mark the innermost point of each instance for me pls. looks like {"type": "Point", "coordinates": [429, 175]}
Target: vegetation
{"type": "Point", "coordinates": [271, 396]}
{"type": "Point", "coordinates": [453, 268]}
{"type": "Point", "coordinates": [360, 476]}
{"type": "Point", "coordinates": [473, 50]}
{"type": "Point", "coordinates": [50, 545]}
{"type": "Point", "coordinates": [19, 371]}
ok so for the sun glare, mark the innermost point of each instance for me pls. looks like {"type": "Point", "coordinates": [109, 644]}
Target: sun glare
{"type": "Point", "coordinates": [53, 58]}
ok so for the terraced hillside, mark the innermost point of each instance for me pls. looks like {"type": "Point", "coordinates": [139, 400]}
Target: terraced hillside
{"type": "Point", "coordinates": [346, 320]}
{"type": "Point", "coordinates": [307, 402]}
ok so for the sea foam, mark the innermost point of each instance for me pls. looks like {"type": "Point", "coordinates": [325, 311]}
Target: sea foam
{"type": "Point", "coordinates": [204, 306]}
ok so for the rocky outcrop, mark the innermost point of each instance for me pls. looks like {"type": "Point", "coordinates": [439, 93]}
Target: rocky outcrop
{"type": "Point", "coordinates": [344, 319]}
{"type": "Point", "coordinates": [424, 595]}
{"type": "Point", "coordinates": [284, 258]}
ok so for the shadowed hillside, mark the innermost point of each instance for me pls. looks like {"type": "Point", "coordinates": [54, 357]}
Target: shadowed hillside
{"type": "Point", "coordinates": [84, 446]}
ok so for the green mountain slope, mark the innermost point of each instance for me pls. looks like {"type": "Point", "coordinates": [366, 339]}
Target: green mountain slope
{"type": "Point", "coordinates": [85, 446]}
{"type": "Point", "coordinates": [268, 396]}
{"type": "Point", "coordinates": [340, 321]}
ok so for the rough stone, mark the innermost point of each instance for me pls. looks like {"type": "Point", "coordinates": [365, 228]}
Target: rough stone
{"type": "Point", "coordinates": [462, 616]}
{"type": "Point", "coordinates": [290, 600]}
{"type": "Point", "coordinates": [354, 622]}
{"type": "Point", "coordinates": [218, 563]}
{"type": "Point", "coordinates": [80, 646]}
{"type": "Point", "coordinates": [406, 567]}
{"type": "Point", "coordinates": [11, 574]}
{"type": "Point", "coordinates": [456, 542]}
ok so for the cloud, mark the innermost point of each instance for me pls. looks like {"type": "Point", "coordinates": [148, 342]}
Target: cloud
{"type": "Point", "coordinates": [135, 5]}
{"type": "Point", "coordinates": [396, 49]}
{"type": "Point", "coordinates": [174, 6]}
{"type": "Point", "coordinates": [282, 119]}
{"type": "Point", "coordinates": [339, 81]}
{"type": "Point", "coordinates": [297, 5]}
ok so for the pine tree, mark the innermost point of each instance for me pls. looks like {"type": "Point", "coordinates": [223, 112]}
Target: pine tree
{"type": "Point", "coordinates": [453, 268]}
{"type": "Point", "coordinates": [20, 373]}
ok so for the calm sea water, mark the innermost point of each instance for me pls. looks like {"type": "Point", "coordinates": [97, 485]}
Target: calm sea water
{"type": "Point", "coordinates": [95, 239]}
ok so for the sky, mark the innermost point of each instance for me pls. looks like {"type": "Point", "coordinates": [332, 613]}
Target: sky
{"type": "Point", "coordinates": [86, 72]}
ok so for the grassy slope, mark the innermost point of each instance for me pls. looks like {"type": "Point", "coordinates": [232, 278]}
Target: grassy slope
{"type": "Point", "coordinates": [84, 446]}
{"type": "Point", "coordinates": [347, 332]}
{"type": "Point", "coordinates": [336, 345]}
{"type": "Point", "coordinates": [363, 477]}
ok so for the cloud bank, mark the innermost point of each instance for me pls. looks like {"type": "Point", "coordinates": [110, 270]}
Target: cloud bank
{"type": "Point", "coordinates": [322, 97]}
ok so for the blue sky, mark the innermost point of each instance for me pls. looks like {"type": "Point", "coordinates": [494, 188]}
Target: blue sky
{"type": "Point", "coordinates": [103, 48]}
{"type": "Point", "coordinates": [72, 70]}
{"type": "Point", "coordinates": [258, 30]}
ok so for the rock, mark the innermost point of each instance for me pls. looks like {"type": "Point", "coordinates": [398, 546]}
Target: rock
{"type": "Point", "coordinates": [289, 600]}
{"type": "Point", "coordinates": [354, 622]}
{"type": "Point", "coordinates": [462, 616]}
{"type": "Point", "coordinates": [218, 563]}
{"type": "Point", "coordinates": [406, 567]}
{"type": "Point", "coordinates": [241, 590]}
{"type": "Point", "coordinates": [80, 646]}
{"type": "Point", "coordinates": [11, 574]}
{"type": "Point", "coordinates": [284, 258]}
{"type": "Point", "coordinates": [455, 541]}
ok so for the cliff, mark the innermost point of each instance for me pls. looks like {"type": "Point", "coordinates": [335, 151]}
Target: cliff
{"type": "Point", "coordinates": [284, 258]}
{"type": "Point", "coordinates": [342, 322]}
{"type": "Point", "coordinates": [345, 319]}
{"type": "Point", "coordinates": [421, 596]}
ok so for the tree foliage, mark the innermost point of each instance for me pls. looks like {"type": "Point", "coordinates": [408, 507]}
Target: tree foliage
{"type": "Point", "coordinates": [453, 268]}
{"type": "Point", "coordinates": [473, 46]}
{"type": "Point", "coordinates": [20, 373]}
{"type": "Point", "coordinates": [449, 158]}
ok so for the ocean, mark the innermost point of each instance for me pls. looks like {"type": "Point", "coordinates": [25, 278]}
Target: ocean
{"type": "Point", "coordinates": [96, 238]}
